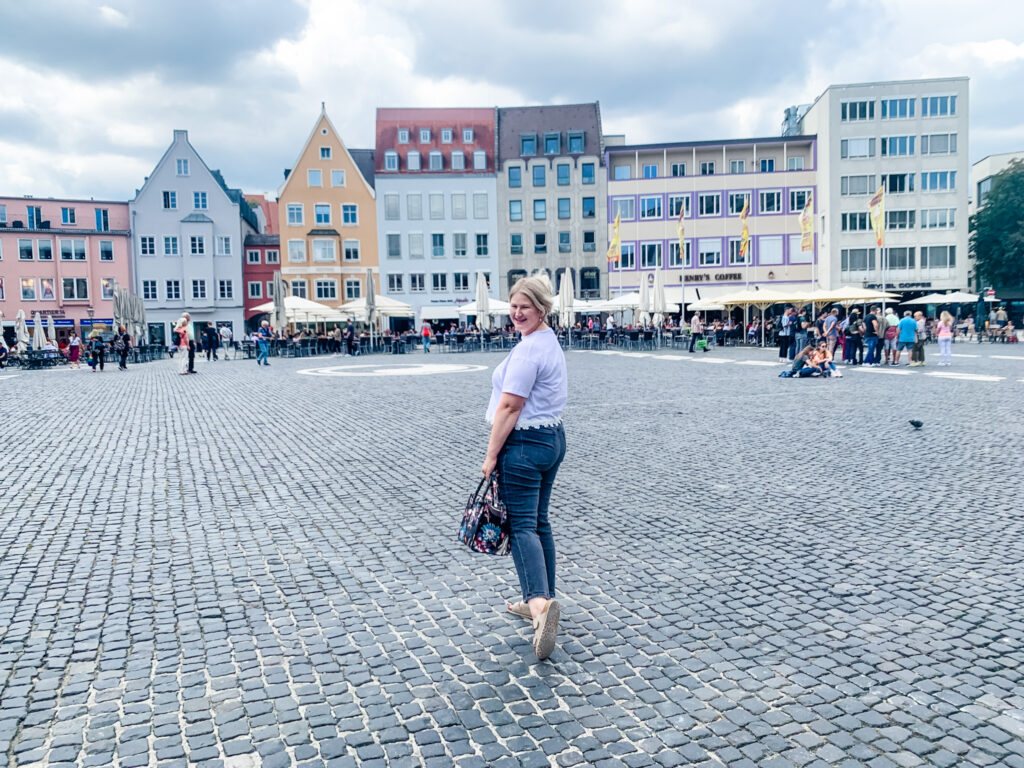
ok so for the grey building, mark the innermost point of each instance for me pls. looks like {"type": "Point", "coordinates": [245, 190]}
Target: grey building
{"type": "Point", "coordinates": [551, 196]}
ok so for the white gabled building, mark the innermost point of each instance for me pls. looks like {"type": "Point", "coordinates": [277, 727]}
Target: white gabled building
{"type": "Point", "coordinates": [188, 229]}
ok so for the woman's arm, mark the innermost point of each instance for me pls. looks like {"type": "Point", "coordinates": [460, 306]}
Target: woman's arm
{"type": "Point", "coordinates": [505, 418]}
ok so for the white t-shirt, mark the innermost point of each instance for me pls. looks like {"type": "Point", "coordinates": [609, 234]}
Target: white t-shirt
{"type": "Point", "coordinates": [534, 369]}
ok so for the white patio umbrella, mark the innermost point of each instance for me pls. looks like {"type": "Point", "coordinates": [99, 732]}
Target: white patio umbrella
{"type": "Point", "coordinates": [930, 298]}
{"type": "Point", "coordinates": [21, 332]}
{"type": "Point", "coordinates": [384, 306]}
{"type": "Point", "coordinates": [278, 307]}
{"type": "Point", "coordinates": [644, 316]}
{"type": "Point", "coordinates": [483, 300]}
{"type": "Point", "coordinates": [565, 300]}
{"type": "Point", "coordinates": [38, 337]}
{"type": "Point", "coordinates": [51, 330]}
{"type": "Point", "coordinates": [658, 304]}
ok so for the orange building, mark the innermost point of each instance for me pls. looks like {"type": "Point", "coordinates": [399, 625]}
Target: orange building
{"type": "Point", "coordinates": [327, 217]}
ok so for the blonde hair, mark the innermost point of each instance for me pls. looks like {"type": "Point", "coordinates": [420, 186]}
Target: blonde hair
{"type": "Point", "coordinates": [946, 317]}
{"type": "Point", "coordinates": [536, 291]}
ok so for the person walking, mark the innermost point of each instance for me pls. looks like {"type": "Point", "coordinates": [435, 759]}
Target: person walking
{"type": "Point", "coordinates": [263, 337]}
{"type": "Point", "coordinates": [527, 445]}
{"type": "Point", "coordinates": [227, 339]}
{"type": "Point", "coordinates": [786, 329]}
{"type": "Point", "coordinates": [871, 329]}
{"type": "Point", "coordinates": [803, 323]}
{"type": "Point", "coordinates": [181, 329]}
{"type": "Point", "coordinates": [426, 332]}
{"type": "Point", "coordinates": [98, 349]}
{"type": "Point", "coordinates": [944, 333]}
{"type": "Point", "coordinates": [122, 345]}
{"type": "Point", "coordinates": [830, 330]}
{"type": "Point", "coordinates": [696, 330]}
{"type": "Point", "coordinates": [907, 335]}
{"type": "Point", "coordinates": [74, 350]}
{"type": "Point", "coordinates": [350, 339]}
{"type": "Point", "coordinates": [211, 340]}
{"type": "Point", "coordinates": [917, 352]}
{"type": "Point", "coordinates": [854, 336]}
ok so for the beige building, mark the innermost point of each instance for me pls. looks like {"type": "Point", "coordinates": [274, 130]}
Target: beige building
{"type": "Point", "coordinates": [327, 213]}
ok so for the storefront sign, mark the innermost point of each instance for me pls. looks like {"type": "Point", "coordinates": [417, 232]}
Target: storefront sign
{"type": "Point", "coordinates": [897, 285]}
{"type": "Point", "coordinates": [716, 277]}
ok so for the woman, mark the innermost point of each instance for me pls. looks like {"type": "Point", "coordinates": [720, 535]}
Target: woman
{"type": "Point", "coordinates": [944, 330]}
{"type": "Point", "coordinates": [74, 350]}
{"type": "Point", "coordinates": [122, 344]}
{"type": "Point", "coordinates": [181, 328]}
{"type": "Point", "coordinates": [529, 391]}
{"type": "Point", "coordinates": [426, 333]}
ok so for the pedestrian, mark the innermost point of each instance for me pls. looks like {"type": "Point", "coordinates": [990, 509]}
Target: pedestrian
{"type": "Point", "coordinates": [191, 345]}
{"type": "Point", "coordinates": [871, 329]}
{"type": "Point", "coordinates": [181, 333]}
{"type": "Point", "coordinates": [854, 335]}
{"type": "Point", "coordinates": [830, 330]}
{"type": "Point", "coordinates": [74, 350]}
{"type": "Point", "coordinates": [97, 348]}
{"type": "Point", "coordinates": [1001, 317]}
{"type": "Point", "coordinates": [907, 335]}
{"type": "Point", "coordinates": [263, 337]}
{"type": "Point", "coordinates": [800, 333]}
{"type": "Point", "coordinates": [527, 445]}
{"type": "Point", "coordinates": [890, 338]}
{"type": "Point", "coordinates": [426, 332]}
{"type": "Point", "coordinates": [336, 340]}
{"type": "Point", "coordinates": [227, 339]}
{"type": "Point", "coordinates": [211, 340]}
{"type": "Point", "coordinates": [787, 326]}
{"type": "Point", "coordinates": [917, 352]}
{"type": "Point", "coordinates": [3, 353]}
{"type": "Point", "coordinates": [944, 333]}
{"type": "Point", "coordinates": [350, 339]}
{"type": "Point", "coordinates": [696, 330]}
{"type": "Point", "coordinates": [122, 345]}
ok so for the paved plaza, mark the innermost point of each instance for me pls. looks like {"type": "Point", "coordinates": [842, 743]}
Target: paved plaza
{"type": "Point", "coordinates": [257, 567]}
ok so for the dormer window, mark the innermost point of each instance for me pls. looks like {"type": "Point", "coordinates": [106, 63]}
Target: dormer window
{"type": "Point", "coordinates": [390, 160]}
{"type": "Point", "coordinates": [528, 144]}
{"type": "Point", "coordinates": [446, 136]}
{"type": "Point", "coordinates": [458, 160]}
{"type": "Point", "coordinates": [576, 142]}
{"type": "Point", "coordinates": [412, 160]}
{"type": "Point", "coordinates": [403, 135]}
{"type": "Point", "coordinates": [552, 143]}
{"type": "Point", "coordinates": [424, 135]}
{"type": "Point", "coordinates": [467, 135]}
{"type": "Point", "coordinates": [479, 160]}
{"type": "Point", "coordinates": [435, 160]}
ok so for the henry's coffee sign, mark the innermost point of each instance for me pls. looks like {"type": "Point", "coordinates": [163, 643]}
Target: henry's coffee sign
{"type": "Point", "coordinates": [713, 277]}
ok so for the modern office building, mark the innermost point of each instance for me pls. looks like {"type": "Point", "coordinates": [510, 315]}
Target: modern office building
{"type": "Point", "coordinates": [62, 258]}
{"type": "Point", "coordinates": [708, 183]}
{"type": "Point", "coordinates": [328, 218]}
{"type": "Point", "coordinates": [437, 213]}
{"type": "Point", "coordinates": [187, 229]}
{"type": "Point", "coordinates": [551, 196]}
{"type": "Point", "coordinates": [909, 138]}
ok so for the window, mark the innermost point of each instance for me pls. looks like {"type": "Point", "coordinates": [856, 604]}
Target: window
{"type": "Point", "coordinates": [589, 240]}
{"type": "Point", "coordinates": [252, 257]}
{"type": "Point", "coordinates": [298, 288]}
{"type": "Point", "coordinates": [338, 175]}
{"type": "Point", "coordinates": [3, 214]}
{"type": "Point", "coordinates": [44, 248]}
{"type": "Point", "coordinates": [938, 257]}
{"type": "Point", "coordinates": [479, 160]}
{"type": "Point", "coordinates": [171, 246]}
{"type": "Point", "coordinates": [437, 245]}
{"type": "Point", "coordinates": [650, 207]}
{"type": "Point", "coordinates": [170, 200]}
{"type": "Point", "coordinates": [106, 250]}
{"type": "Point", "coordinates": [899, 258]}
{"type": "Point", "coordinates": [769, 250]}
{"type": "Point", "coordinates": [627, 256]}
{"type": "Point", "coordinates": [515, 177]}
{"type": "Point", "coordinates": [767, 165]}
{"type": "Point", "coordinates": [467, 135]}
{"type": "Point", "coordinates": [255, 290]}
{"type": "Point", "coordinates": [937, 218]}
{"type": "Point", "coordinates": [349, 214]}
{"type": "Point", "coordinates": [322, 213]}
{"type": "Point", "coordinates": [516, 244]}
{"type": "Point", "coordinates": [798, 199]}
{"type": "Point", "coordinates": [147, 245]}
{"type": "Point", "coordinates": [182, 167]}
{"type": "Point", "coordinates": [673, 254]}
{"type": "Point", "coordinates": [403, 135]}
{"type": "Point", "coordinates": [709, 252]}
{"type": "Point", "coordinates": [795, 163]}
{"type": "Point", "coordinates": [857, 259]}
{"type": "Point", "coordinates": [458, 205]}
{"type": "Point", "coordinates": [412, 160]}
{"type": "Point", "coordinates": [394, 245]}
{"type": "Point", "coordinates": [587, 173]}
{"type": "Point", "coordinates": [391, 203]}
{"type": "Point", "coordinates": [172, 289]}
{"type": "Point", "coordinates": [26, 253]}
{"type": "Point", "coordinates": [198, 289]}
{"type": "Point", "coordinates": [709, 205]}
{"type": "Point", "coordinates": [678, 169]}
{"type": "Point", "coordinates": [737, 166]}
{"type": "Point", "coordinates": [677, 203]}
{"type": "Point", "coordinates": [540, 210]}
{"type": "Point", "coordinates": [436, 203]}
{"type": "Point", "coordinates": [67, 215]}
{"type": "Point", "coordinates": [552, 143]}
{"type": "Point", "coordinates": [461, 281]}
{"type": "Point", "coordinates": [622, 172]}
{"type": "Point", "coordinates": [149, 290]}
{"type": "Point", "coordinates": [199, 201]}
{"type": "Point", "coordinates": [589, 207]}
{"type": "Point", "coordinates": [323, 250]}
{"type": "Point", "coordinates": [296, 250]}
{"type": "Point", "coordinates": [857, 148]}
{"type": "Point", "coordinates": [540, 242]}
{"type": "Point", "coordinates": [857, 110]}
{"type": "Point", "coordinates": [326, 290]}
{"type": "Point", "coordinates": [896, 109]}
{"type": "Point", "coordinates": [459, 244]}
{"type": "Point", "coordinates": [650, 255]}
{"type": "Point", "coordinates": [434, 159]}
{"type": "Point", "coordinates": [769, 202]}
{"type": "Point", "coordinates": [707, 168]}
{"type": "Point", "coordinates": [72, 250]}
{"type": "Point", "coordinates": [439, 281]}
{"type": "Point", "coordinates": [562, 174]}
{"type": "Point", "coordinates": [736, 202]}
{"type": "Point", "coordinates": [415, 245]}
{"type": "Point", "coordinates": [295, 215]}
{"type": "Point", "coordinates": [937, 106]}
{"type": "Point", "coordinates": [857, 185]}
{"type": "Point", "coordinates": [325, 153]}
{"type": "Point", "coordinates": [564, 242]}
{"type": "Point", "coordinates": [735, 257]}
{"type": "Point", "coordinates": [424, 135]}
{"type": "Point", "coordinates": [350, 248]}
{"type": "Point", "coordinates": [577, 141]}
{"type": "Point", "coordinates": [273, 257]}
{"type": "Point", "coordinates": [898, 146]}
{"type": "Point", "coordinates": [314, 177]}
{"type": "Point", "coordinates": [35, 216]}
{"type": "Point", "coordinates": [938, 144]}
{"type": "Point", "coordinates": [481, 244]}
{"type": "Point", "coordinates": [898, 182]}
{"type": "Point", "coordinates": [390, 163]}
{"type": "Point", "coordinates": [395, 284]}
{"type": "Point", "coordinates": [564, 208]}
{"type": "Point", "coordinates": [417, 282]}
{"type": "Point", "coordinates": [458, 160]}
{"type": "Point", "coordinates": [197, 245]}
{"type": "Point", "coordinates": [414, 206]}
{"type": "Point", "coordinates": [856, 222]}
{"type": "Point", "coordinates": [651, 171]}
{"type": "Point", "coordinates": [900, 219]}
{"type": "Point", "coordinates": [28, 289]}
{"type": "Point", "coordinates": [75, 288]}
{"type": "Point", "coordinates": [480, 205]}
{"type": "Point", "coordinates": [796, 255]}
{"type": "Point", "coordinates": [624, 208]}
{"type": "Point", "coordinates": [528, 144]}
{"type": "Point", "coordinates": [539, 177]}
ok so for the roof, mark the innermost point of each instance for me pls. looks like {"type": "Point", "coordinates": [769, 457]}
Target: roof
{"type": "Point", "coordinates": [197, 218]}
{"type": "Point", "coordinates": [367, 179]}
{"type": "Point", "coordinates": [711, 143]}
{"type": "Point", "coordinates": [237, 197]}
{"type": "Point", "coordinates": [481, 120]}
{"type": "Point", "coordinates": [561, 118]}
{"type": "Point", "coordinates": [363, 159]}
{"type": "Point", "coordinates": [262, 240]}
{"type": "Point", "coordinates": [323, 233]}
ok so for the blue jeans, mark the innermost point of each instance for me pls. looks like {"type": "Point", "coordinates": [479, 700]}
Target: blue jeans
{"type": "Point", "coordinates": [801, 342]}
{"type": "Point", "coordinates": [426, 344]}
{"type": "Point", "coordinates": [527, 466]}
{"type": "Point", "coordinates": [264, 351]}
{"type": "Point", "coordinates": [872, 344]}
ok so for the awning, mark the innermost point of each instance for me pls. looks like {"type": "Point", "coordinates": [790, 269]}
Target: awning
{"type": "Point", "coordinates": [440, 312]}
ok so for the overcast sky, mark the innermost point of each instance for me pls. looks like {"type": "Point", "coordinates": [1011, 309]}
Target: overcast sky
{"type": "Point", "coordinates": [92, 89]}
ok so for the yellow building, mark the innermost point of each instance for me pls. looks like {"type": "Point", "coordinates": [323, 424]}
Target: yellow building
{"type": "Point", "coordinates": [328, 219]}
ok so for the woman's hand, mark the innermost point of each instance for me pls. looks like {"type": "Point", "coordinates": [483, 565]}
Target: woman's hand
{"type": "Point", "coordinates": [489, 464]}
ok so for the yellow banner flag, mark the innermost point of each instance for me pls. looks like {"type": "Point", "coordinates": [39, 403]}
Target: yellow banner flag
{"type": "Point", "coordinates": [877, 208]}
{"type": "Point", "coordinates": [807, 224]}
{"type": "Point", "coordinates": [615, 246]}
{"type": "Point", "coordinates": [681, 233]}
{"type": "Point", "coordinates": [745, 236]}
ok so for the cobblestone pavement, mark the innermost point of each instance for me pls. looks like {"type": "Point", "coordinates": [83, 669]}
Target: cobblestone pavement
{"type": "Point", "coordinates": [252, 567]}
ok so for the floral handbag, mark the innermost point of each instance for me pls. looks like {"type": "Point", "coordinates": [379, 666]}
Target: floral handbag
{"type": "Point", "coordinates": [485, 526]}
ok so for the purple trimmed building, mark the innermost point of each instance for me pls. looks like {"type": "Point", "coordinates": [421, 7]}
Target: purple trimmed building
{"type": "Point", "coordinates": [709, 181]}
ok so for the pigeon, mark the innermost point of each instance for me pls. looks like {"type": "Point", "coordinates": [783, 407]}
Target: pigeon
{"type": "Point", "coordinates": [916, 424]}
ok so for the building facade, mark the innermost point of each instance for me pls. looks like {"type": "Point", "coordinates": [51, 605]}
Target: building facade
{"type": "Point", "coordinates": [327, 218]}
{"type": "Point", "coordinates": [910, 138]}
{"type": "Point", "coordinates": [551, 196]}
{"type": "Point", "coordinates": [187, 229]}
{"type": "Point", "coordinates": [982, 175]}
{"type": "Point", "coordinates": [708, 183]}
{"type": "Point", "coordinates": [437, 213]}
{"type": "Point", "coordinates": [262, 259]}
{"type": "Point", "coordinates": [63, 258]}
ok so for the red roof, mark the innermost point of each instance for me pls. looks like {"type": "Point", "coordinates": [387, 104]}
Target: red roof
{"type": "Point", "coordinates": [390, 121]}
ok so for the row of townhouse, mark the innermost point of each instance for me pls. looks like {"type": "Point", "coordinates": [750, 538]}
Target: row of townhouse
{"type": "Point", "coordinates": [446, 194]}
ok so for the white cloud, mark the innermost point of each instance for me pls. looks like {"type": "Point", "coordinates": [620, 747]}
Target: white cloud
{"type": "Point", "coordinates": [113, 17]}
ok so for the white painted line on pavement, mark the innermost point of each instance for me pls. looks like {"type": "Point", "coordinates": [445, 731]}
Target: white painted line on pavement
{"type": "Point", "coordinates": [964, 376]}
{"type": "Point", "coordinates": [10, 376]}
{"type": "Point", "coordinates": [954, 354]}
{"type": "Point", "coordinates": [713, 360]}
{"type": "Point", "coordinates": [671, 357]}
{"type": "Point", "coordinates": [1006, 357]}
{"type": "Point", "coordinates": [758, 362]}
{"type": "Point", "coordinates": [883, 370]}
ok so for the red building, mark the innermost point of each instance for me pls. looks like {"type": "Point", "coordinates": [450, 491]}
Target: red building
{"type": "Point", "coordinates": [262, 259]}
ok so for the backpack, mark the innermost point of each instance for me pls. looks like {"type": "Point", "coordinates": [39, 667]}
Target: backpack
{"type": "Point", "coordinates": [119, 343]}
{"type": "Point", "coordinates": [97, 344]}
{"type": "Point", "coordinates": [176, 338]}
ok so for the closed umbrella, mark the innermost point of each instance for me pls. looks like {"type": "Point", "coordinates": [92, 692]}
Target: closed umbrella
{"type": "Point", "coordinates": [483, 301]}
{"type": "Point", "coordinates": [21, 332]}
{"type": "Point", "coordinates": [3, 341]}
{"type": "Point", "coordinates": [645, 302]}
{"type": "Point", "coordinates": [658, 304]}
{"type": "Point", "coordinates": [38, 337]}
{"type": "Point", "coordinates": [279, 314]}
{"type": "Point", "coordinates": [51, 330]}
{"type": "Point", "coordinates": [371, 303]}
{"type": "Point", "coordinates": [565, 300]}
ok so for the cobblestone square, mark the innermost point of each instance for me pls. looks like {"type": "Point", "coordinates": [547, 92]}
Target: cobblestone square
{"type": "Point", "coordinates": [257, 568]}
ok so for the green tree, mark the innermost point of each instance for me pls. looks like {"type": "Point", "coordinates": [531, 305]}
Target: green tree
{"type": "Point", "coordinates": [997, 230]}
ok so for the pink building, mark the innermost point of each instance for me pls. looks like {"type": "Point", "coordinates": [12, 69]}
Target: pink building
{"type": "Point", "coordinates": [62, 258]}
